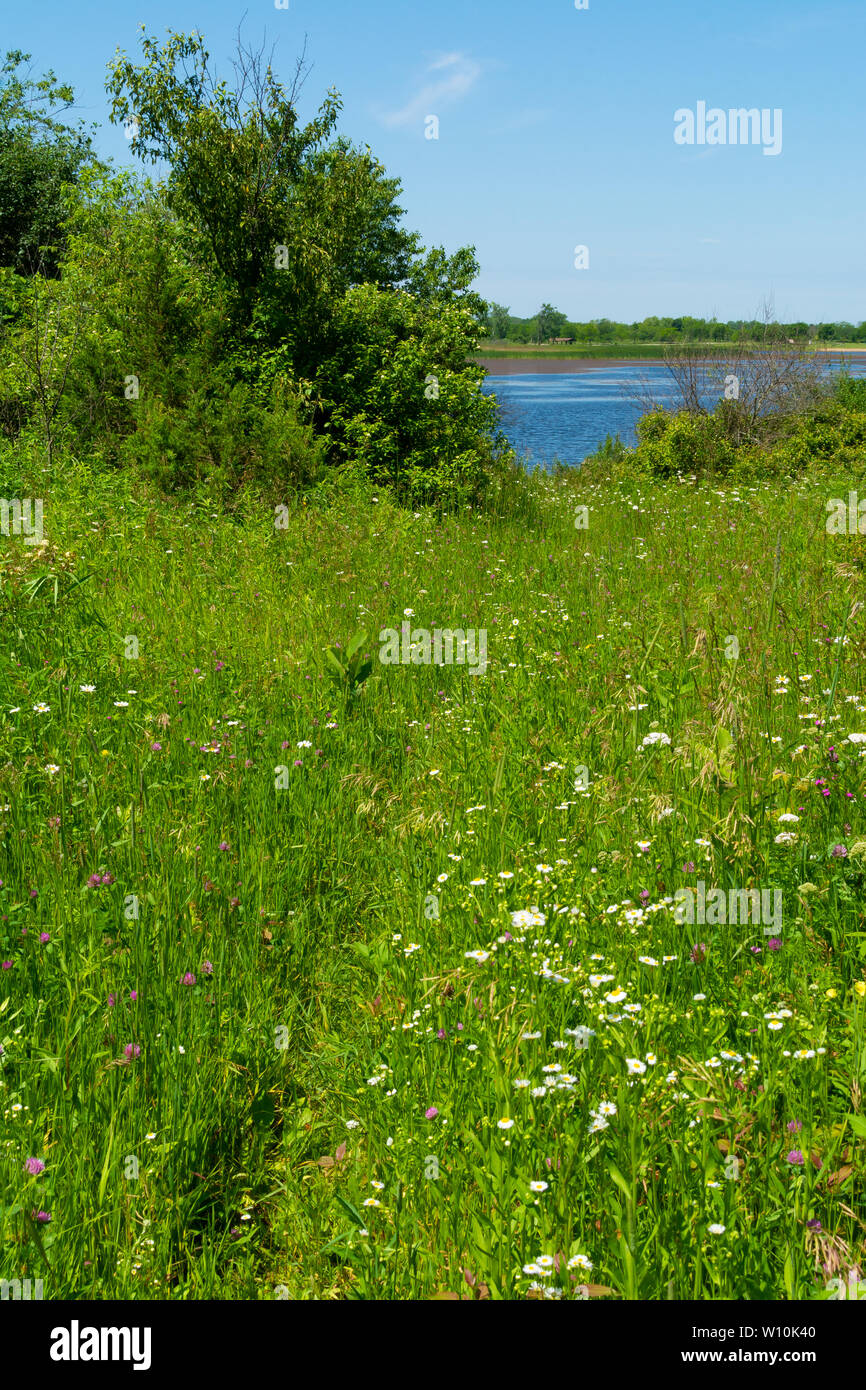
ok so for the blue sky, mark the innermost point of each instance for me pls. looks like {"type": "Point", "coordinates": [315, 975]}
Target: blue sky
{"type": "Point", "coordinates": [556, 129]}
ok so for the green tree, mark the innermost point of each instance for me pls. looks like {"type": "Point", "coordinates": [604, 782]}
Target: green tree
{"type": "Point", "coordinates": [237, 156]}
{"type": "Point", "coordinates": [400, 399]}
{"type": "Point", "coordinates": [40, 157]}
{"type": "Point", "coordinates": [263, 289]}
{"type": "Point", "coordinates": [498, 319]}
{"type": "Point", "coordinates": [287, 216]}
{"type": "Point", "coordinates": [549, 322]}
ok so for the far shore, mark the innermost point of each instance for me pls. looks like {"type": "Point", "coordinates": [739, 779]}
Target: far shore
{"type": "Point", "coordinates": [538, 364]}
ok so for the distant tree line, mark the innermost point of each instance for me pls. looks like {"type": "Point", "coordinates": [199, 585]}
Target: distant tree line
{"type": "Point", "coordinates": [553, 323]}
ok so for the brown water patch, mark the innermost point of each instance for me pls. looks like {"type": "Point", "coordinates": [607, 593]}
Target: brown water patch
{"type": "Point", "coordinates": [511, 366]}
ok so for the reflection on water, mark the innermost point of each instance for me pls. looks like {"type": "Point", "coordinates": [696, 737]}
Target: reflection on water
{"type": "Point", "coordinates": [567, 416]}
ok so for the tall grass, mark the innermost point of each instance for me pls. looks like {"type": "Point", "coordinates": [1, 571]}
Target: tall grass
{"type": "Point", "coordinates": [320, 1028]}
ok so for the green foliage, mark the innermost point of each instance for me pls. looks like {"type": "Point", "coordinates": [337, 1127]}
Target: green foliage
{"type": "Point", "coordinates": [815, 443]}
{"type": "Point", "coordinates": [612, 451]}
{"type": "Point", "coordinates": [549, 322]}
{"type": "Point", "coordinates": [696, 443]}
{"type": "Point", "coordinates": [33, 200]}
{"type": "Point", "coordinates": [682, 329]}
{"type": "Point", "coordinates": [669, 445]}
{"type": "Point", "coordinates": [258, 187]}
{"type": "Point", "coordinates": [349, 667]}
{"type": "Point", "coordinates": [40, 157]}
{"type": "Point", "coordinates": [274, 260]}
{"type": "Point", "coordinates": [398, 395]}
{"type": "Point", "coordinates": [497, 320]}
{"type": "Point", "coordinates": [233, 162]}
{"type": "Point", "coordinates": [851, 392]}
{"type": "Point", "coordinates": [259, 315]}
{"type": "Point", "coordinates": [225, 437]}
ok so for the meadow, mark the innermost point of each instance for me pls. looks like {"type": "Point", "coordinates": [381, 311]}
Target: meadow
{"type": "Point", "coordinates": [372, 985]}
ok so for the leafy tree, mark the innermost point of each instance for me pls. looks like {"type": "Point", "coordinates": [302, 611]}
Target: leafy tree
{"type": "Point", "coordinates": [288, 217]}
{"type": "Point", "coordinates": [40, 156]}
{"type": "Point", "coordinates": [520, 330]}
{"type": "Point", "coordinates": [549, 322]}
{"type": "Point", "coordinates": [298, 234]}
{"type": "Point", "coordinates": [396, 392]}
{"type": "Point", "coordinates": [498, 320]}
{"type": "Point", "coordinates": [235, 156]}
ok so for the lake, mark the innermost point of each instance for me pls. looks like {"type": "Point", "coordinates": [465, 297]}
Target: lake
{"type": "Point", "coordinates": [552, 413]}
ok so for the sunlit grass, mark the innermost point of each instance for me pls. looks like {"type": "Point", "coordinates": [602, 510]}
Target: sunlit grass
{"type": "Point", "coordinates": [314, 1090]}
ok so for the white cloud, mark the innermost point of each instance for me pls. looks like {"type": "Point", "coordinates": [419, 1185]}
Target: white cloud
{"type": "Point", "coordinates": [459, 75]}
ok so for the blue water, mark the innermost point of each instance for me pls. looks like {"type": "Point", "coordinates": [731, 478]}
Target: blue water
{"type": "Point", "coordinates": [568, 415]}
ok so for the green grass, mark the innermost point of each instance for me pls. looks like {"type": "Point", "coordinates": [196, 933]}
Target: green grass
{"type": "Point", "coordinates": [335, 1002]}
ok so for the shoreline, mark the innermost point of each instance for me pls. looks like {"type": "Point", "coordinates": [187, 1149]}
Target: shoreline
{"type": "Point", "coordinates": [538, 365]}
{"type": "Point", "coordinates": [528, 366]}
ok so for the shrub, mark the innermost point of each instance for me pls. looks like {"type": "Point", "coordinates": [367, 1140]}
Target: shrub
{"type": "Point", "coordinates": [684, 443]}
{"type": "Point", "coordinates": [226, 439]}
{"type": "Point", "coordinates": [851, 393]}
{"type": "Point", "coordinates": [398, 395]}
